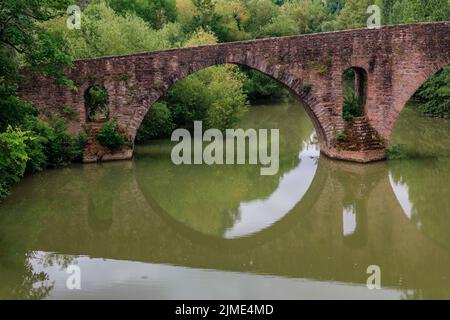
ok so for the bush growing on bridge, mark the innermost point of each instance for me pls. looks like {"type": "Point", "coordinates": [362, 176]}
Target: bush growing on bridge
{"type": "Point", "coordinates": [352, 107]}
{"type": "Point", "coordinates": [436, 95]}
{"type": "Point", "coordinates": [13, 158]}
{"type": "Point", "coordinates": [111, 137]}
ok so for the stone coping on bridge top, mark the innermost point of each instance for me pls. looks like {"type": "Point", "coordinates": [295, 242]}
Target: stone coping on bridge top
{"type": "Point", "coordinates": [308, 35]}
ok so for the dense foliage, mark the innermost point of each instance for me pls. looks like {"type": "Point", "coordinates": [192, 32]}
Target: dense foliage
{"type": "Point", "coordinates": [158, 124]}
{"type": "Point", "coordinates": [435, 95]}
{"type": "Point", "coordinates": [33, 33]}
{"type": "Point", "coordinates": [27, 142]}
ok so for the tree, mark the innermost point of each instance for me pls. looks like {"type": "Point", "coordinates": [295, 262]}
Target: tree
{"type": "Point", "coordinates": [232, 18]}
{"type": "Point", "coordinates": [410, 11]}
{"type": "Point", "coordinates": [309, 15]}
{"type": "Point", "coordinates": [104, 32]}
{"type": "Point", "coordinates": [262, 13]}
{"type": "Point", "coordinates": [24, 43]}
{"type": "Point", "coordinates": [21, 34]}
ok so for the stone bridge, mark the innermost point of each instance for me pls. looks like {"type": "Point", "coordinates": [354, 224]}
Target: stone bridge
{"type": "Point", "coordinates": [393, 62]}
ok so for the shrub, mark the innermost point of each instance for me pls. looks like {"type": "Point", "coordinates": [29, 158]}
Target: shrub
{"type": "Point", "coordinates": [61, 147]}
{"type": "Point", "coordinates": [258, 86]}
{"type": "Point", "coordinates": [352, 107]}
{"type": "Point", "coordinates": [13, 158]}
{"type": "Point", "coordinates": [97, 100]}
{"type": "Point", "coordinates": [111, 137]}
{"type": "Point", "coordinates": [35, 147]}
{"type": "Point", "coordinates": [214, 95]}
{"type": "Point", "coordinates": [51, 146]}
{"type": "Point", "coordinates": [157, 124]}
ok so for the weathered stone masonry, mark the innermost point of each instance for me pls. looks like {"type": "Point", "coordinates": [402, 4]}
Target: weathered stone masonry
{"type": "Point", "coordinates": [397, 60]}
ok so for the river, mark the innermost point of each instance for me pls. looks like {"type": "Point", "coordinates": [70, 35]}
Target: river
{"type": "Point", "coordinates": [148, 229]}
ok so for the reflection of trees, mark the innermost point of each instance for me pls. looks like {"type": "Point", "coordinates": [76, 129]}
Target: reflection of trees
{"type": "Point", "coordinates": [56, 259]}
{"type": "Point", "coordinates": [22, 218]}
{"type": "Point", "coordinates": [429, 190]}
{"type": "Point", "coordinates": [207, 198]}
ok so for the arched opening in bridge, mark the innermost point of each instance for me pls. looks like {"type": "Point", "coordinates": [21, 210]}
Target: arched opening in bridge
{"type": "Point", "coordinates": [422, 137]}
{"type": "Point", "coordinates": [222, 200]}
{"type": "Point", "coordinates": [354, 92]}
{"type": "Point", "coordinates": [96, 101]}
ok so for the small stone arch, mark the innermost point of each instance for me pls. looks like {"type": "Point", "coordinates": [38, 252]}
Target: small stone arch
{"type": "Point", "coordinates": [96, 103]}
{"type": "Point", "coordinates": [354, 91]}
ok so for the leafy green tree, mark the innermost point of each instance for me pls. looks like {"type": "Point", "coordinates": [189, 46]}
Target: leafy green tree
{"type": "Point", "coordinates": [232, 17]}
{"type": "Point", "coordinates": [104, 32]}
{"type": "Point", "coordinates": [110, 136]}
{"type": "Point", "coordinates": [23, 42]}
{"type": "Point", "coordinates": [214, 95]}
{"type": "Point", "coordinates": [436, 95]}
{"type": "Point", "coordinates": [155, 12]}
{"type": "Point", "coordinates": [309, 15]}
{"type": "Point", "coordinates": [410, 11]}
{"type": "Point", "coordinates": [260, 87]}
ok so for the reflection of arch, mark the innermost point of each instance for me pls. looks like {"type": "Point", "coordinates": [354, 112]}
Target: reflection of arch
{"type": "Point", "coordinates": [304, 95]}
{"type": "Point", "coordinates": [244, 243]}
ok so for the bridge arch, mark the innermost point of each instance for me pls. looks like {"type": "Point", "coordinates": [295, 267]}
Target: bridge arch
{"type": "Point", "coordinates": [304, 96]}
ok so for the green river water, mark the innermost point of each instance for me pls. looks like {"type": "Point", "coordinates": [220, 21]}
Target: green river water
{"type": "Point", "coordinates": [148, 229]}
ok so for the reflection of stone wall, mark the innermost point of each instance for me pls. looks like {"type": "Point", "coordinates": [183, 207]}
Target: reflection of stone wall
{"type": "Point", "coordinates": [397, 59]}
{"type": "Point", "coordinates": [308, 243]}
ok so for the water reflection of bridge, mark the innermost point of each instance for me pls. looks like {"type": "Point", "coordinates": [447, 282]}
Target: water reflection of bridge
{"type": "Point", "coordinates": [349, 219]}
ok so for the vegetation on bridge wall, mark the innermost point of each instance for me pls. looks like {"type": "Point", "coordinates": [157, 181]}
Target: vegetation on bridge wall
{"type": "Point", "coordinates": [111, 27]}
